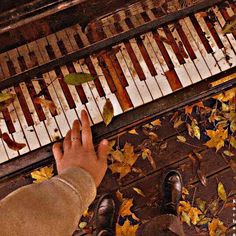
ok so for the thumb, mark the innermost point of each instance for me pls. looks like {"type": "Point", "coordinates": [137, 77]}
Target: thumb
{"type": "Point", "coordinates": [103, 150]}
{"type": "Point", "coordinates": [57, 152]}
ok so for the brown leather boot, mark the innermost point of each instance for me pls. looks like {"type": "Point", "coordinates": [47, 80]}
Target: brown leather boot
{"type": "Point", "coordinates": [172, 192]}
{"type": "Point", "coordinates": [105, 216]}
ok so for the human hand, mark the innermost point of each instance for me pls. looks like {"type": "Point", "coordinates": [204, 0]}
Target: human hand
{"type": "Point", "coordinates": [79, 151]}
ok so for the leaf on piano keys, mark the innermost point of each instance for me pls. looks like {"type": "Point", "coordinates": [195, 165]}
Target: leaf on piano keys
{"type": "Point", "coordinates": [6, 99]}
{"type": "Point", "coordinates": [108, 112]}
{"type": "Point", "coordinates": [230, 25]}
{"type": "Point", "coordinates": [12, 144]}
{"type": "Point", "coordinates": [42, 174]}
{"type": "Point", "coordinates": [182, 50]}
{"type": "Point", "coordinates": [78, 78]}
{"type": "Point", "coordinates": [46, 103]}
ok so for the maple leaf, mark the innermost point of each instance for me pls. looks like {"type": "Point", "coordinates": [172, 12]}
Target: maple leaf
{"type": "Point", "coordinates": [125, 208]}
{"type": "Point", "coordinates": [126, 229]}
{"type": "Point", "coordinates": [216, 227]}
{"type": "Point", "coordinates": [217, 138]}
{"type": "Point", "coordinates": [121, 168]}
{"type": "Point", "coordinates": [42, 174]}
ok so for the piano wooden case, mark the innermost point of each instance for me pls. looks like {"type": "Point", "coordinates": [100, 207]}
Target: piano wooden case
{"type": "Point", "coordinates": [148, 58]}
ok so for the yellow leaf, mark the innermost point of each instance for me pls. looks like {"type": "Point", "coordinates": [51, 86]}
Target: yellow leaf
{"type": "Point", "coordinates": [82, 224]}
{"type": "Point", "coordinates": [126, 229]}
{"type": "Point", "coordinates": [156, 122]}
{"type": "Point", "coordinates": [6, 97]}
{"type": "Point", "coordinates": [111, 145]}
{"type": "Point", "coordinates": [201, 204]}
{"type": "Point", "coordinates": [130, 156]}
{"type": "Point", "coordinates": [147, 154]}
{"type": "Point", "coordinates": [230, 25]}
{"type": "Point", "coordinates": [185, 218]}
{"type": "Point", "coordinates": [181, 139]}
{"type": "Point", "coordinates": [194, 215]}
{"type": "Point", "coordinates": [125, 207]}
{"type": "Point", "coordinates": [228, 153]}
{"type": "Point", "coordinates": [133, 131]}
{"type": "Point", "coordinates": [46, 103]}
{"type": "Point", "coordinates": [233, 142]}
{"type": "Point", "coordinates": [121, 168]}
{"type": "Point", "coordinates": [226, 95]}
{"type": "Point", "coordinates": [185, 191]}
{"type": "Point", "coordinates": [139, 191]}
{"type": "Point", "coordinates": [216, 227]}
{"type": "Point", "coordinates": [86, 213]}
{"type": "Point", "coordinates": [178, 122]}
{"type": "Point", "coordinates": [217, 138]}
{"type": "Point", "coordinates": [42, 174]}
{"type": "Point", "coordinates": [78, 78]}
{"type": "Point", "coordinates": [108, 112]}
{"type": "Point", "coordinates": [221, 192]}
{"type": "Point", "coordinates": [119, 195]}
{"type": "Point", "coordinates": [117, 155]}
{"type": "Point", "coordinates": [195, 128]}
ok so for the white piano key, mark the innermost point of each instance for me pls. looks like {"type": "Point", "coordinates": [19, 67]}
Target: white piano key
{"type": "Point", "coordinates": [109, 94]}
{"type": "Point", "coordinates": [210, 60]}
{"type": "Point", "coordinates": [61, 35]}
{"type": "Point", "coordinates": [218, 54]}
{"type": "Point", "coordinates": [91, 105]}
{"type": "Point", "coordinates": [71, 35]}
{"type": "Point", "coordinates": [141, 85]}
{"type": "Point", "coordinates": [228, 39]}
{"type": "Point", "coordinates": [179, 69]}
{"type": "Point", "coordinates": [199, 61]}
{"type": "Point", "coordinates": [189, 65]}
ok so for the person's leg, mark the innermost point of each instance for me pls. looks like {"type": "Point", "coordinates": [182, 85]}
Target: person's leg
{"type": "Point", "coordinates": [168, 223]}
{"type": "Point", "coordinates": [105, 214]}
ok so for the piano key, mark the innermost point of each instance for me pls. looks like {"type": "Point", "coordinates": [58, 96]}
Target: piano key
{"type": "Point", "coordinates": [179, 69]}
{"type": "Point", "coordinates": [210, 60]}
{"type": "Point", "coordinates": [218, 54]}
{"type": "Point", "coordinates": [228, 44]}
{"type": "Point", "coordinates": [222, 16]}
{"type": "Point", "coordinates": [109, 94]}
{"type": "Point", "coordinates": [199, 62]}
{"type": "Point", "coordinates": [189, 65]}
{"type": "Point", "coordinates": [71, 32]}
{"type": "Point", "coordinates": [92, 108]}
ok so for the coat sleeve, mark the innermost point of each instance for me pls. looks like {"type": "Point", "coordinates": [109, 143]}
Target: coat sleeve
{"type": "Point", "coordinates": [53, 207]}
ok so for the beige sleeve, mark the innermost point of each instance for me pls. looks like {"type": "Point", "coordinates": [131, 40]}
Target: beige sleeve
{"type": "Point", "coordinates": [51, 208]}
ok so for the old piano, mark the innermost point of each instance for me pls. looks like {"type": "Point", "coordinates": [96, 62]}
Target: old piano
{"type": "Point", "coordinates": [148, 57]}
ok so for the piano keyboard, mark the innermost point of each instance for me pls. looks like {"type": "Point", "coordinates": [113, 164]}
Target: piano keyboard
{"type": "Point", "coordinates": [130, 74]}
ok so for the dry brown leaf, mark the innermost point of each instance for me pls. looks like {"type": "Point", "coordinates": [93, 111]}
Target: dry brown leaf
{"type": "Point", "coordinates": [11, 143]}
{"type": "Point", "coordinates": [217, 228]}
{"type": "Point", "coordinates": [47, 103]}
{"type": "Point", "coordinates": [221, 192]}
{"type": "Point", "coordinates": [42, 174]}
{"type": "Point", "coordinates": [217, 138]}
{"type": "Point", "coordinates": [126, 229]}
{"type": "Point", "coordinates": [139, 191]}
{"type": "Point", "coordinates": [119, 195]}
{"type": "Point", "coordinates": [108, 112]}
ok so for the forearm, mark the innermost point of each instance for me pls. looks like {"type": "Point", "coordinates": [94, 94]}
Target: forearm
{"type": "Point", "coordinates": [53, 207]}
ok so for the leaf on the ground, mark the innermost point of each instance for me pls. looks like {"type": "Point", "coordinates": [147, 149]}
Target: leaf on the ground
{"type": "Point", "coordinates": [195, 128]}
{"type": "Point", "coordinates": [226, 95]}
{"type": "Point", "coordinates": [204, 221]}
{"type": "Point", "coordinates": [78, 78]}
{"type": "Point", "coordinates": [133, 131]}
{"type": "Point", "coordinates": [202, 177]}
{"type": "Point", "coordinates": [111, 145]}
{"type": "Point", "coordinates": [178, 121]}
{"type": "Point", "coordinates": [139, 191]}
{"type": "Point", "coordinates": [153, 136]}
{"type": "Point", "coordinates": [218, 138]}
{"type": "Point", "coordinates": [121, 168]}
{"type": "Point", "coordinates": [213, 206]}
{"type": "Point", "coordinates": [156, 122]}
{"type": "Point", "coordinates": [189, 109]}
{"type": "Point", "coordinates": [86, 213]}
{"type": "Point", "coordinates": [228, 153]}
{"type": "Point", "coordinates": [125, 208]}
{"type": "Point", "coordinates": [221, 192]}
{"type": "Point", "coordinates": [181, 139]}
{"type": "Point", "coordinates": [233, 142]}
{"type": "Point", "coordinates": [11, 143]}
{"type": "Point", "coordinates": [185, 218]}
{"type": "Point", "coordinates": [130, 156]}
{"type": "Point", "coordinates": [201, 204]}
{"type": "Point", "coordinates": [108, 112]}
{"type": "Point", "coordinates": [82, 224]}
{"type": "Point", "coordinates": [217, 228]}
{"type": "Point", "coordinates": [117, 155]}
{"type": "Point", "coordinates": [233, 126]}
{"type": "Point", "coordinates": [230, 25]}
{"type": "Point", "coordinates": [42, 174]}
{"type": "Point", "coordinates": [147, 154]}
{"type": "Point", "coordinates": [126, 229]}
{"type": "Point", "coordinates": [185, 191]}
{"type": "Point", "coordinates": [194, 215]}
{"type": "Point", "coordinates": [119, 195]}
{"type": "Point", "coordinates": [46, 103]}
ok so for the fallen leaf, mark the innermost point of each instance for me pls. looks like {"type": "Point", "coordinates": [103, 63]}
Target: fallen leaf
{"type": "Point", "coordinates": [133, 131]}
{"type": "Point", "coordinates": [230, 25]}
{"type": "Point", "coordinates": [228, 153]}
{"type": "Point", "coordinates": [195, 128]}
{"type": "Point", "coordinates": [194, 215]}
{"type": "Point", "coordinates": [130, 156]}
{"type": "Point", "coordinates": [156, 122]}
{"type": "Point", "coordinates": [213, 206]}
{"type": "Point", "coordinates": [117, 155]}
{"type": "Point", "coordinates": [201, 204]}
{"type": "Point", "coordinates": [153, 136]}
{"type": "Point", "coordinates": [125, 208]}
{"type": "Point", "coordinates": [217, 138]}
{"type": "Point", "coordinates": [233, 142]}
{"type": "Point", "coordinates": [78, 78]}
{"type": "Point", "coordinates": [126, 229]}
{"type": "Point", "coordinates": [178, 122]}
{"type": "Point", "coordinates": [202, 177]}
{"type": "Point", "coordinates": [119, 195]}
{"type": "Point", "coordinates": [11, 143]}
{"type": "Point", "coordinates": [147, 154]}
{"type": "Point", "coordinates": [42, 174]}
{"type": "Point", "coordinates": [86, 213]}
{"type": "Point", "coordinates": [226, 95]}
{"type": "Point", "coordinates": [221, 192]}
{"type": "Point", "coordinates": [139, 191]}
{"type": "Point", "coordinates": [121, 168]}
{"type": "Point", "coordinates": [181, 139]}
{"type": "Point", "coordinates": [185, 191]}
{"type": "Point", "coordinates": [111, 145]}
{"type": "Point", "coordinates": [6, 97]}
{"type": "Point", "coordinates": [185, 218]}
{"type": "Point", "coordinates": [217, 228]}
{"type": "Point", "coordinates": [108, 112]}
{"type": "Point", "coordinates": [46, 103]}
